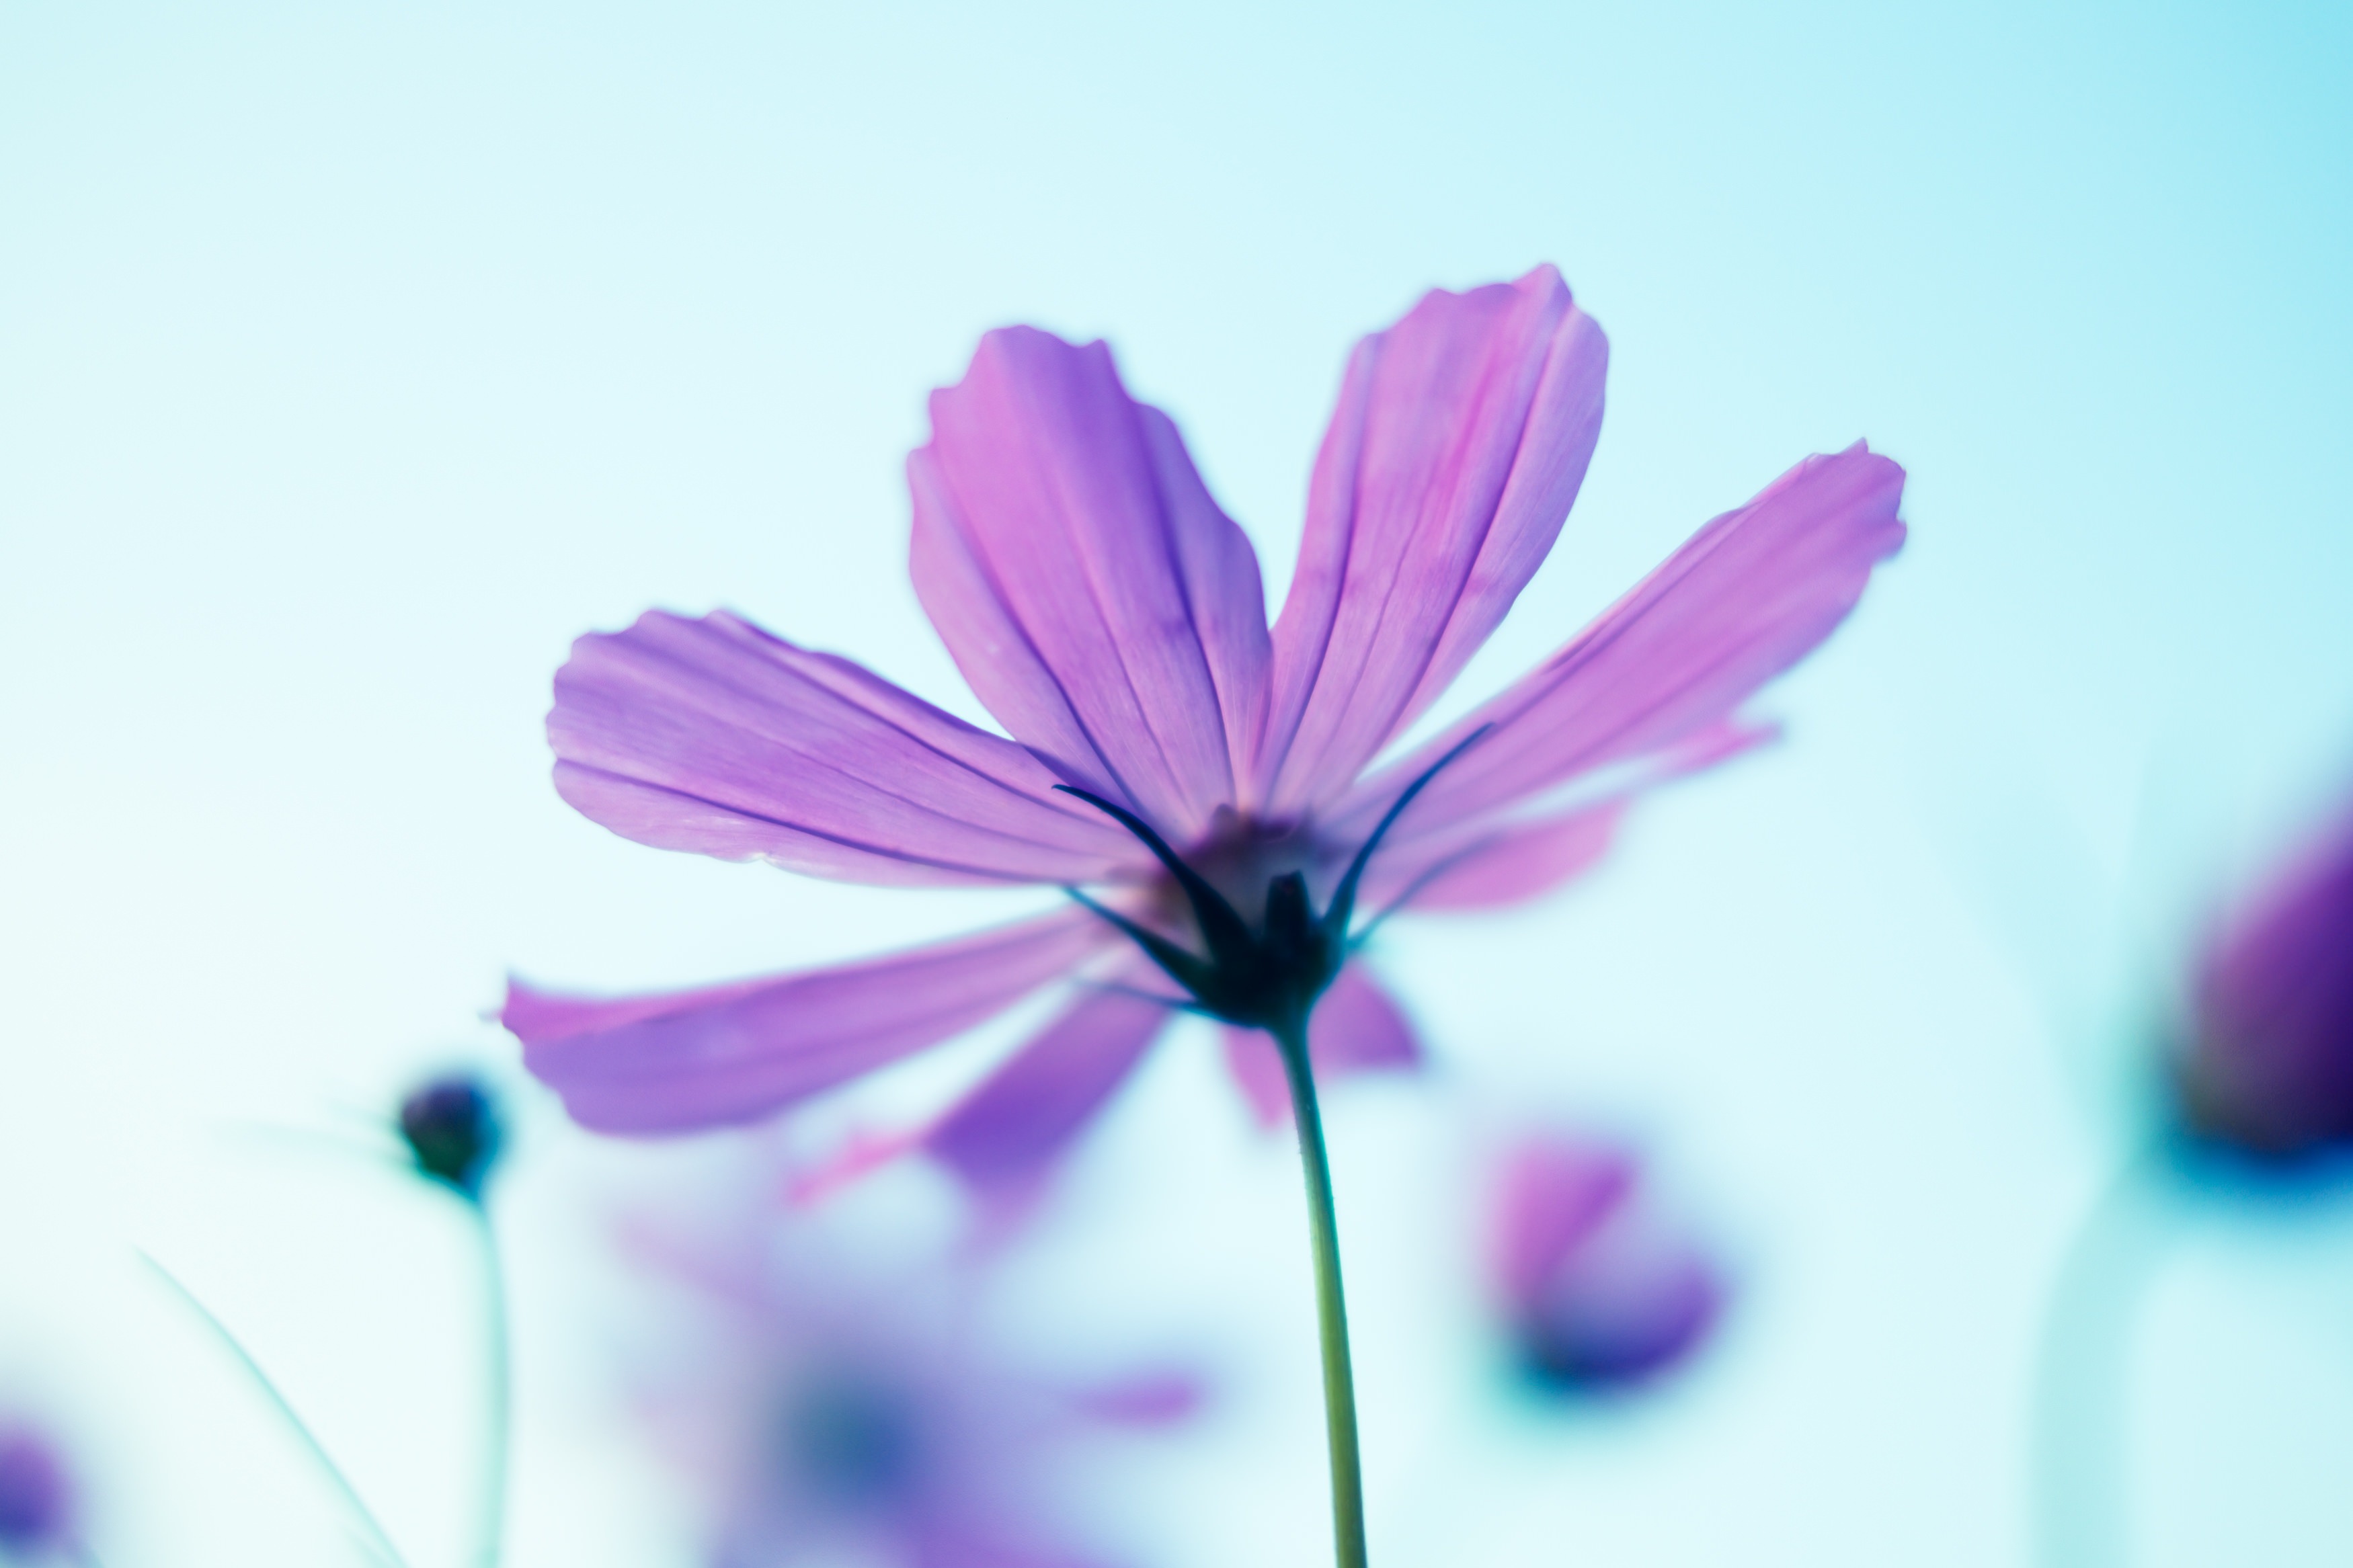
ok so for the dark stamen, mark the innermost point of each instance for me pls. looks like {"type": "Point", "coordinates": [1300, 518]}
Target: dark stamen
{"type": "Point", "coordinates": [1291, 932]}
{"type": "Point", "coordinates": [1268, 979]}
{"type": "Point", "coordinates": [1222, 929]}
{"type": "Point", "coordinates": [1184, 968]}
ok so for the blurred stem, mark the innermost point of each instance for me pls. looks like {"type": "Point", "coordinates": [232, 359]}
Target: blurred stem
{"type": "Point", "coordinates": [2082, 1370]}
{"type": "Point", "coordinates": [377, 1542]}
{"type": "Point", "coordinates": [500, 1419]}
{"type": "Point", "coordinates": [1331, 1310]}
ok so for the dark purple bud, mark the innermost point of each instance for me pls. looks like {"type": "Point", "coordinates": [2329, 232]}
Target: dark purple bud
{"type": "Point", "coordinates": [451, 1126]}
{"type": "Point", "coordinates": [2268, 1064]}
{"type": "Point", "coordinates": [36, 1498]}
{"type": "Point", "coordinates": [1600, 1289]}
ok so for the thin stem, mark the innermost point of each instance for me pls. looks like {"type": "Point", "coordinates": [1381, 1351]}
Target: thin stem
{"type": "Point", "coordinates": [377, 1542]}
{"type": "Point", "coordinates": [500, 1416]}
{"type": "Point", "coordinates": [1331, 1310]}
{"type": "Point", "coordinates": [2082, 1364]}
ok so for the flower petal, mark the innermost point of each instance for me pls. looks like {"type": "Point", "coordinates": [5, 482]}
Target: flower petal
{"type": "Point", "coordinates": [1146, 1399]}
{"type": "Point", "coordinates": [1552, 1193]}
{"type": "Point", "coordinates": [737, 1052]}
{"type": "Point", "coordinates": [1746, 597]}
{"type": "Point", "coordinates": [1100, 603]}
{"type": "Point", "coordinates": [713, 735]}
{"type": "Point", "coordinates": [1495, 861]}
{"type": "Point", "coordinates": [1356, 1028]}
{"type": "Point", "coordinates": [1495, 870]}
{"type": "Point", "coordinates": [1461, 436]}
{"type": "Point", "coordinates": [1011, 1130]}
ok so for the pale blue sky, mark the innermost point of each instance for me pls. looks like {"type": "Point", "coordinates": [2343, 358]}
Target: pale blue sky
{"type": "Point", "coordinates": [353, 359]}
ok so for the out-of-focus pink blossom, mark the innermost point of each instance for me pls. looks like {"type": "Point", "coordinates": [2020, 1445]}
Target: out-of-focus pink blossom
{"type": "Point", "coordinates": [37, 1504]}
{"type": "Point", "coordinates": [2267, 1064]}
{"type": "Point", "coordinates": [1111, 616]}
{"type": "Point", "coordinates": [1598, 1287]}
{"type": "Point", "coordinates": [831, 1407]}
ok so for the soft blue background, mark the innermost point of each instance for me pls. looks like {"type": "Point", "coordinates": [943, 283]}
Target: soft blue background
{"type": "Point", "coordinates": [353, 359]}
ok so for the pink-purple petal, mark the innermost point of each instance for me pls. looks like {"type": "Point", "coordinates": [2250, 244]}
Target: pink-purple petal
{"type": "Point", "coordinates": [714, 736]}
{"type": "Point", "coordinates": [1149, 1399]}
{"type": "Point", "coordinates": [1462, 435]}
{"type": "Point", "coordinates": [1746, 597]}
{"type": "Point", "coordinates": [1356, 1028]}
{"type": "Point", "coordinates": [1495, 869]}
{"type": "Point", "coordinates": [1100, 603]}
{"type": "Point", "coordinates": [1009, 1131]}
{"type": "Point", "coordinates": [1551, 1192]}
{"type": "Point", "coordinates": [734, 1053]}
{"type": "Point", "coordinates": [1498, 861]}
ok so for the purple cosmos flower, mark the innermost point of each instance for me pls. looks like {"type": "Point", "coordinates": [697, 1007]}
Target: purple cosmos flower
{"type": "Point", "coordinates": [1170, 748]}
{"type": "Point", "coordinates": [1600, 1288]}
{"type": "Point", "coordinates": [833, 1406]}
{"type": "Point", "coordinates": [35, 1497]}
{"type": "Point", "coordinates": [2268, 1063]}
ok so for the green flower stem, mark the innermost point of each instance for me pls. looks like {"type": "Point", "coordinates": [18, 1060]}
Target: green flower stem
{"type": "Point", "coordinates": [2082, 1369]}
{"type": "Point", "coordinates": [1331, 1310]}
{"type": "Point", "coordinates": [500, 1417]}
{"type": "Point", "coordinates": [374, 1537]}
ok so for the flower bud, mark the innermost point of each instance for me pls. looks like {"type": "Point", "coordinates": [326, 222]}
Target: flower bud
{"type": "Point", "coordinates": [35, 1497]}
{"type": "Point", "coordinates": [1600, 1288]}
{"type": "Point", "coordinates": [451, 1127]}
{"type": "Point", "coordinates": [2267, 1066]}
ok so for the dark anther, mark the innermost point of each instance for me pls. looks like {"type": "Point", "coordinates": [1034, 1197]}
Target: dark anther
{"type": "Point", "coordinates": [1290, 925]}
{"type": "Point", "coordinates": [1269, 978]}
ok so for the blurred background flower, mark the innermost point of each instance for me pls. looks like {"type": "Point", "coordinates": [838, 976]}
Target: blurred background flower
{"type": "Point", "coordinates": [834, 1399]}
{"type": "Point", "coordinates": [1601, 1287]}
{"type": "Point", "coordinates": [2252, 1113]}
{"type": "Point", "coordinates": [1230, 752]}
{"type": "Point", "coordinates": [38, 1521]}
{"type": "Point", "coordinates": [2266, 1057]}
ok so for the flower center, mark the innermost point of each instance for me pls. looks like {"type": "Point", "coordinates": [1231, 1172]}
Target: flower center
{"type": "Point", "coordinates": [1262, 974]}
{"type": "Point", "coordinates": [850, 1439]}
{"type": "Point", "coordinates": [1241, 857]}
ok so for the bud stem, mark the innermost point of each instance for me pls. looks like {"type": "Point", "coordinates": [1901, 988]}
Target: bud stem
{"type": "Point", "coordinates": [2081, 1370]}
{"type": "Point", "coordinates": [374, 1535]}
{"type": "Point", "coordinates": [499, 1418]}
{"type": "Point", "coordinates": [1331, 1310]}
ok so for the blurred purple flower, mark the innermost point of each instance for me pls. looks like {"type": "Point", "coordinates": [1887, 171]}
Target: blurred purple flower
{"type": "Point", "coordinates": [833, 1409]}
{"type": "Point", "coordinates": [35, 1497]}
{"type": "Point", "coordinates": [2267, 1066]}
{"type": "Point", "coordinates": [1111, 618]}
{"type": "Point", "coordinates": [1599, 1289]}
